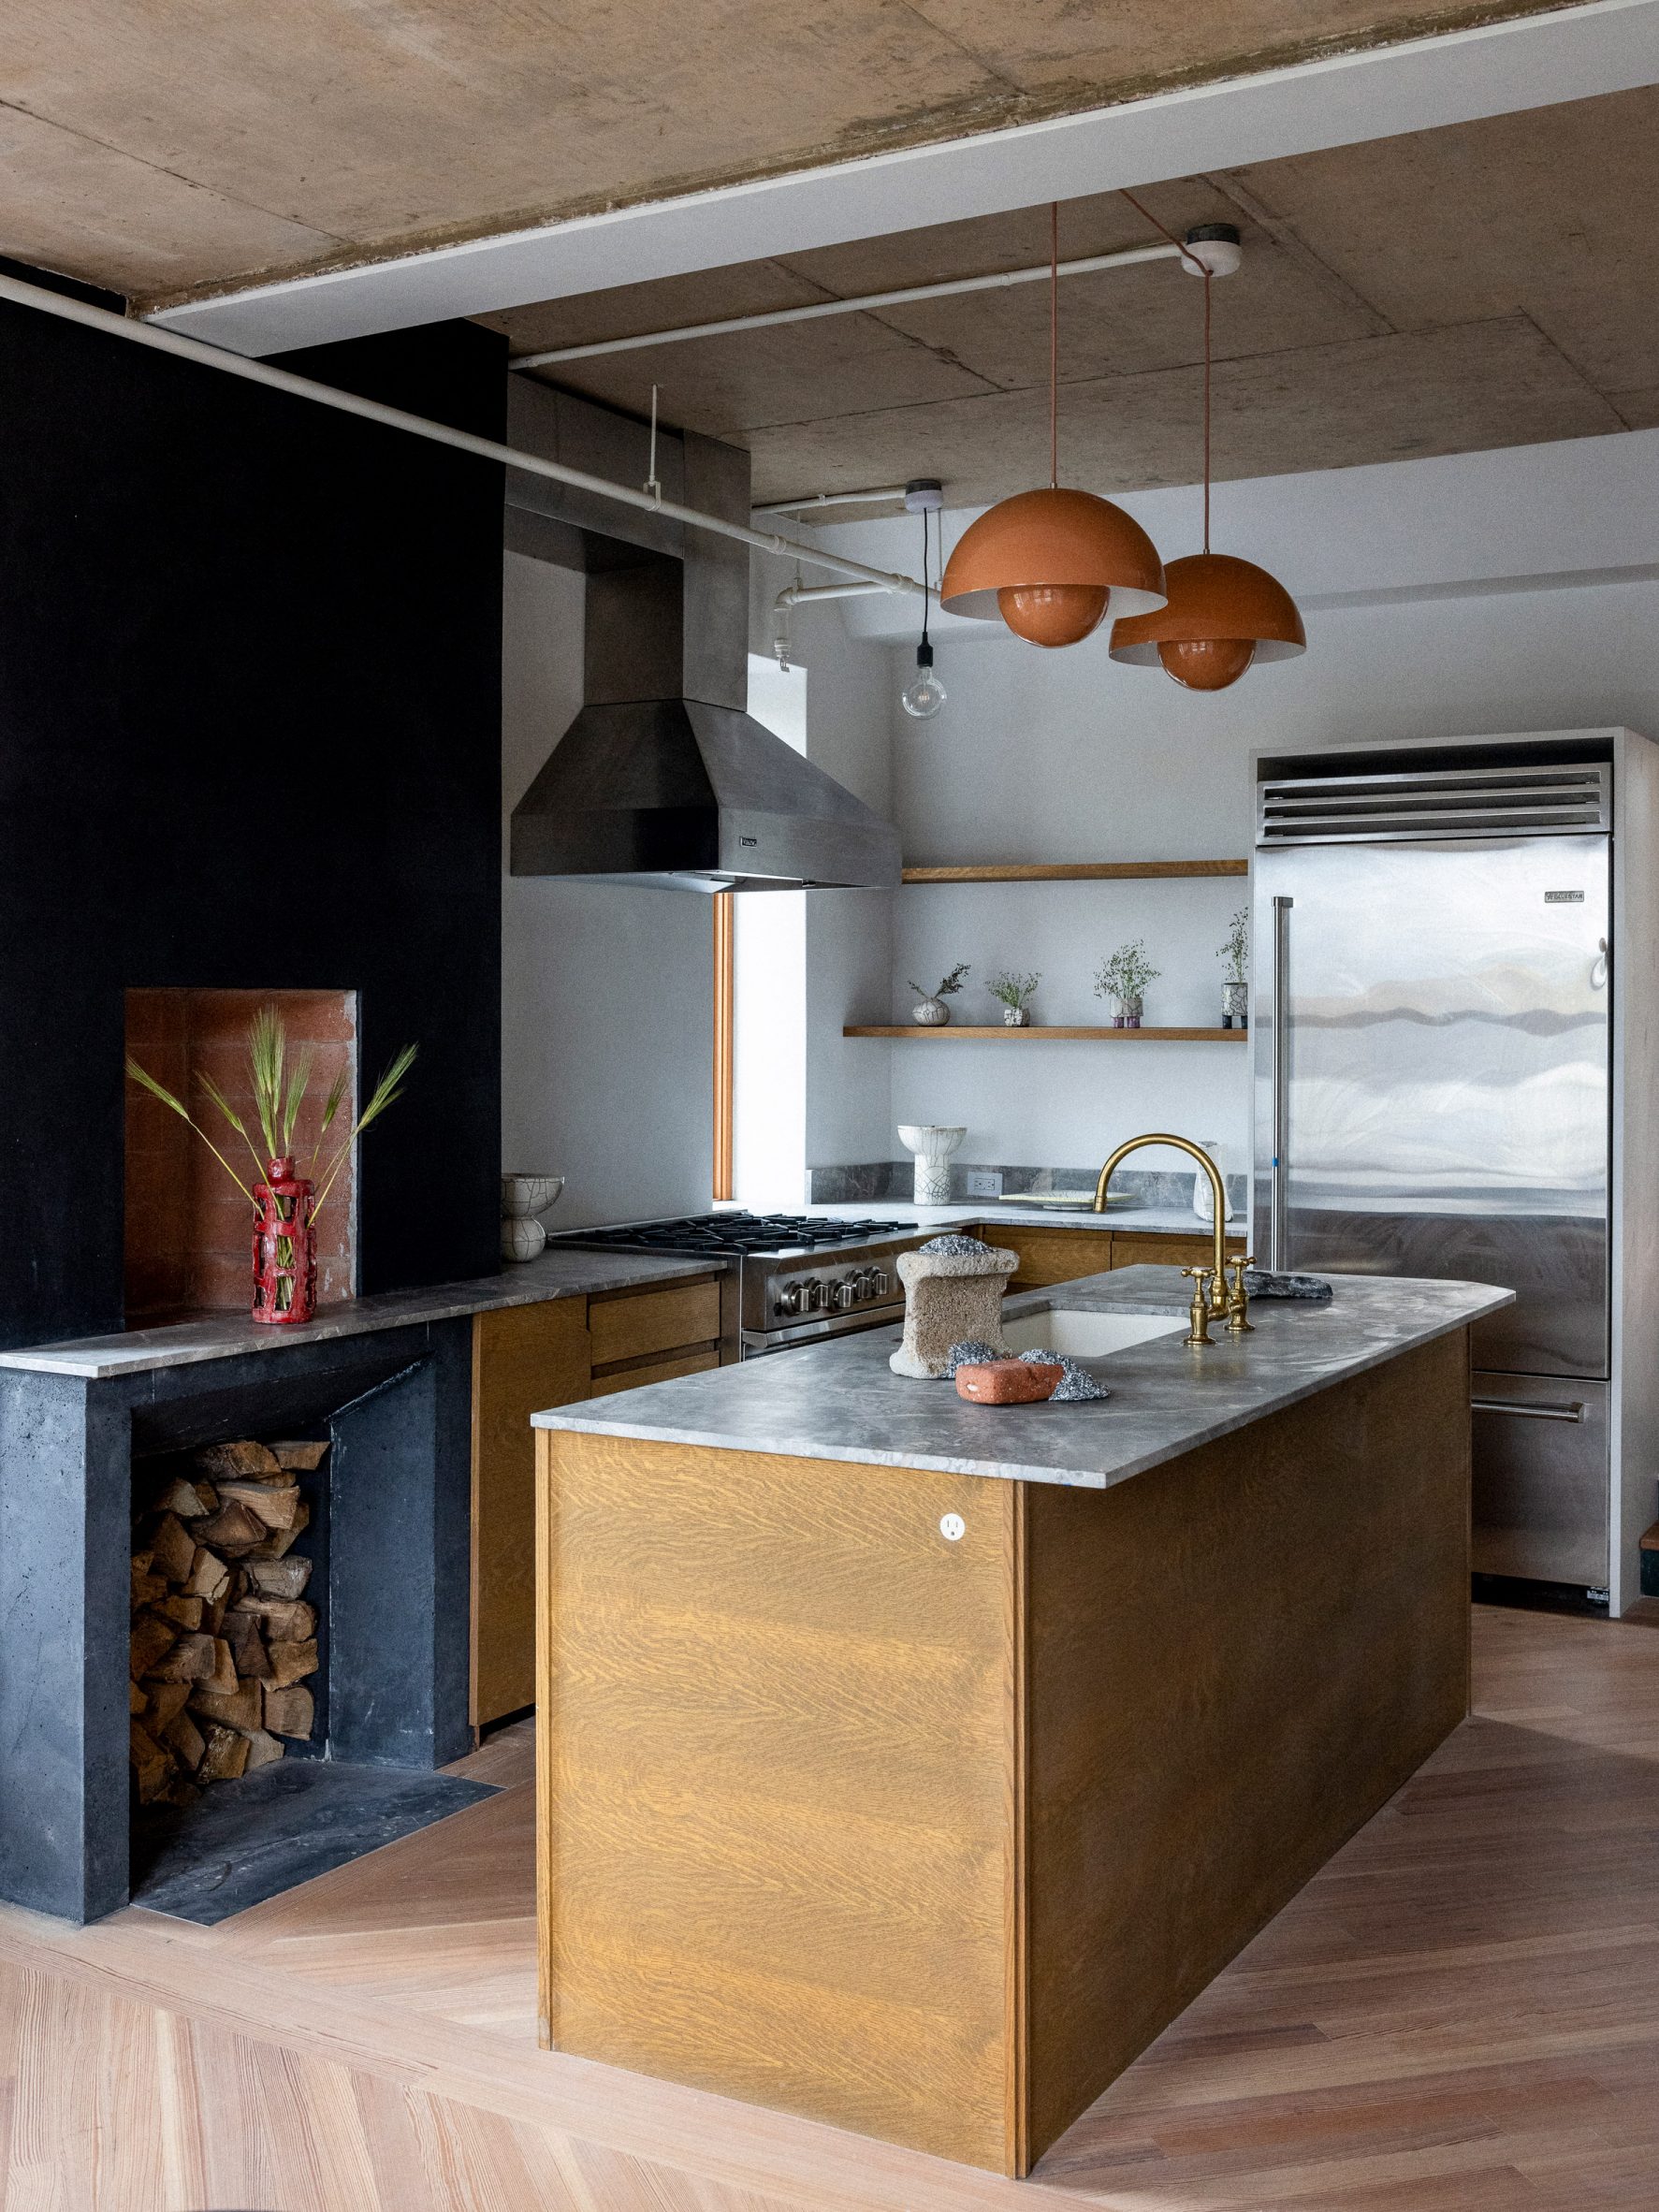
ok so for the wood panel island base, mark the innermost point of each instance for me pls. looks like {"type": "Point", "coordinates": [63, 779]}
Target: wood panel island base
{"type": "Point", "coordinates": [916, 1782]}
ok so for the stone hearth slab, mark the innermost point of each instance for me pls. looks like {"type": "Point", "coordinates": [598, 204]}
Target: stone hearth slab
{"type": "Point", "coordinates": [245, 1841]}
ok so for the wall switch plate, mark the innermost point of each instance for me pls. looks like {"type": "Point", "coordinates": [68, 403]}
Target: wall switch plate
{"type": "Point", "coordinates": [983, 1183]}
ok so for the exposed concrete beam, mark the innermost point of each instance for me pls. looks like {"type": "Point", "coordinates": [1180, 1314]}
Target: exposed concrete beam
{"type": "Point", "coordinates": [1535, 60]}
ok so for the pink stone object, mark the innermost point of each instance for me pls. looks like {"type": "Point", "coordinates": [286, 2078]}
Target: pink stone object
{"type": "Point", "coordinates": [1008, 1382]}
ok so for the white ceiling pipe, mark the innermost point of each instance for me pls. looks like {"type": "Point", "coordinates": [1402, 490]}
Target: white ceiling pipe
{"type": "Point", "coordinates": [880, 496]}
{"type": "Point", "coordinates": [395, 419]}
{"type": "Point", "coordinates": [820, 308]}
{"type": "Point", "coordinates": [804, 594]}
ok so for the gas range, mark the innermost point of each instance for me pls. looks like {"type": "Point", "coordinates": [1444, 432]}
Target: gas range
{"type": "Point", "coordinates": [798, 1277]}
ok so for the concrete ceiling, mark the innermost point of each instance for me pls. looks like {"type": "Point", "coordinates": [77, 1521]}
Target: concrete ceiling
{"type": "Point", "coordinates": [167, 148]}
{"type": "Point", "coordinates": [1485, 284]}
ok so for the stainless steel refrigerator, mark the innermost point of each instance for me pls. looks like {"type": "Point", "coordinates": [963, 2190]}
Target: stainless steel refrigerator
{"type": "Point", "coordinates": [1432, 1055]}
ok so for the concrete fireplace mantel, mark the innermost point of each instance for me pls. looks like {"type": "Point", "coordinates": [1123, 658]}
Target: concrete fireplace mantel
{"type": "Point", "coordinates": [557, 1273]}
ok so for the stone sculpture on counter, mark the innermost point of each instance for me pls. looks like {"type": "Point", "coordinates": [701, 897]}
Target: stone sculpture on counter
{"type": "Point", "coordinates": [954, 1288]}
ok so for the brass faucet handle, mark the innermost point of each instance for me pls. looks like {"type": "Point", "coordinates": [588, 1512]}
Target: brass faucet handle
{"type": "Point", "coordinates": [1237, 1301]}
{"type": "Point", "coordinates": [1198, 1313]}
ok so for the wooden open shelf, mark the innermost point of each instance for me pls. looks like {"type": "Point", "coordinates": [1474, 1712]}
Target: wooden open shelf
{"type": "Point", "coordinates": [1075, 871]}
{"type": "Point", "coordinates": [1001, 1032]}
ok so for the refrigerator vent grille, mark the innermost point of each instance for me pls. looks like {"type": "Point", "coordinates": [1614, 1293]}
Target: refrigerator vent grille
{"type": "Point", "coordinates": [1443, 803]}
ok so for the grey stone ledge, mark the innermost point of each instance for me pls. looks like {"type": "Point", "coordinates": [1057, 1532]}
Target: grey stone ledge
{"type": "Point", "coordinates": [557, 1273]}
{"type": "Point", "coordinates": [839, 1400]}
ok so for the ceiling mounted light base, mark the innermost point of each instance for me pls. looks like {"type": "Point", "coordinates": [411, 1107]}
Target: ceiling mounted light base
{"type": "Point", "coordinates": [1052, 563]}
{"type": "Point", "coordinates": [1223, 614]}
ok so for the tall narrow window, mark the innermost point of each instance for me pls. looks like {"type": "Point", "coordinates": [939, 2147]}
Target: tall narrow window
{"type": "Point", "coordinates": [725, 934]}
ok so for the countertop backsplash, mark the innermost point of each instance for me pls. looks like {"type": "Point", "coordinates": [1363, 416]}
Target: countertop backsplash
{"type": "Point", "coordinates": [877, 1182]}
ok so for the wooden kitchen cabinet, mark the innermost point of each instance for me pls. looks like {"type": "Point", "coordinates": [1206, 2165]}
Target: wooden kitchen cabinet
{"type": "Point", "coordinates": [1148, 1248]}
{"type": "Point", "coordinates": [526, 1358]}
{"type": "Point", "coordinates": [1062, 1255]}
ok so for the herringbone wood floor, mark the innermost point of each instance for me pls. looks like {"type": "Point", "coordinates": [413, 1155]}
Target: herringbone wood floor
{"type": "Point", "coordinates": [1459, 2015]}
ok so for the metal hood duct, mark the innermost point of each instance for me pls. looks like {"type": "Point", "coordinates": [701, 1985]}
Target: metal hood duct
{"type": "Point", "coordinates": [663, 777]}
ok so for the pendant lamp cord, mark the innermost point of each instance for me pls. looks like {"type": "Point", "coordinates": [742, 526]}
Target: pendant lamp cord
{"type": "Point", "coordinates": [1054, 345]}
{"type": "Point", "coordinates": [1202, 267]}
{"type": "Point", "coordinates": [926, 586]}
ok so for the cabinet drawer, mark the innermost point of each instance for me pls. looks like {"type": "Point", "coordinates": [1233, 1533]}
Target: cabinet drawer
{"type": "Point", "coordinates": [635, 1378]}
{"type": "Point", "coordinates": [1151, 1249]}
{"type": "Point", "coordinates": [642, 1321]}
{"type": "Point", "coordinates": [1052, 1255]}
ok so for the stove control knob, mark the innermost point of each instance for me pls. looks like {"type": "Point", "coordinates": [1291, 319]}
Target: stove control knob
{"type": "Point", "coordinates": [880, 1281]}
{"type": "Point", "coordinates": [798, 1298]}
{"type": "Point", "coordinates": [845, 1294]}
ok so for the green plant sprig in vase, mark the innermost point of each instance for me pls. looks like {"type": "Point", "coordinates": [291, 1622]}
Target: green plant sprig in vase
{"type": "Point", "coordinates": [1123, 979]}
{"type": "Point", "coordinates": [1234, 953]}
{"type": "Point", "coordinates": [930, 1011]}
{"type": "Point", "coordinates": [1014, 992]}
{"type": "Point", "coordinates": [285, 1204]}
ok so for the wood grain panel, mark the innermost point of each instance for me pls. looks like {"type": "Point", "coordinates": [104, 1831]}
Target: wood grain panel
{"type": "Point", "coordinates": [635, 1322]}
{"type": "Point", "coordinates": [1148, 1248]}
{"type": "Point", "coordinates": [780, 1783]}
{"type": "Point", "coordinates": [1052, 1255]}
{"type": "Point", "coordinates": [1235, 1661]}
{"type": "Point", "coordinates": [524, 1359]}
{"type": "Point", "coordinates": [635, 1376]}
{"type": "Point", "coordinates": [1000, 1033]}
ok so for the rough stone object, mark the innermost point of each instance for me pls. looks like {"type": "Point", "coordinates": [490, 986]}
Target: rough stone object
{"type": "Point", "coordinates": [1260, 1282]}
{"type": "Point", "coordinates": [949, 1296]}
{"type": "Point", "coordinates": [1076, 1385]}
{"type": "Point", "coordinates": [1008, 1382]}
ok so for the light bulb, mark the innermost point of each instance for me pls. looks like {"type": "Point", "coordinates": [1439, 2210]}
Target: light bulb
{"type": "Point", "coordinates": [924, 695]}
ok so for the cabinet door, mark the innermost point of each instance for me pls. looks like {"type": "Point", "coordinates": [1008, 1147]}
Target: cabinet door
{"type": "Point", "coordinates": [1152, 1249]}
{"type": "Point", "coordinates": [525, 1358]}
{"type": "Point", "coordinates": [1051, 1255]}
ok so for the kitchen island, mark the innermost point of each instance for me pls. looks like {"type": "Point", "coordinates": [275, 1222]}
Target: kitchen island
{"type": "Point", "coordinates": [911, 1764]}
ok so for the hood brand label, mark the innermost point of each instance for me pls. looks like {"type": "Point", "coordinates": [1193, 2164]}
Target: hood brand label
{"type": "Point", "coordinates": [1564, 898]}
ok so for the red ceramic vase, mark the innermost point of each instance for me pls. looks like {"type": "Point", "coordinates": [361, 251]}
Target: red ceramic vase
{"type": "Point", "coordinates": [284, 1247]}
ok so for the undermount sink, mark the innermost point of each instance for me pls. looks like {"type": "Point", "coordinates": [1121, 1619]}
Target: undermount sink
{"type": "Point", "coordinates": [1080, 1334]}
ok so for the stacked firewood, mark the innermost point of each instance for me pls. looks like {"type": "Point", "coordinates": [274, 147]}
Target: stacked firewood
{"type": "Point", "coordinates": [223, 1639]}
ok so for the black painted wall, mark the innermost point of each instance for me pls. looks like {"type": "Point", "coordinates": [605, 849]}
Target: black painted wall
{"type": "Point", "coordinates": [250, 736]}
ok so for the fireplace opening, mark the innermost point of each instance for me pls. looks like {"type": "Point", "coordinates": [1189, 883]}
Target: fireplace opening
{"type": "Point", "coordinates": [188, 1229]}
{"type": "Point", "coordinates": [229, 1639]}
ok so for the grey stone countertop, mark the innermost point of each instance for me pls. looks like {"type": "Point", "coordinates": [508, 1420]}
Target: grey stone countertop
{"type": "Point", "coordinates": [1141, 1220]}
{"type": "Point", "coordinates": [557, 1273]}
{"type": "Point", "coordinates": [838, 1400]}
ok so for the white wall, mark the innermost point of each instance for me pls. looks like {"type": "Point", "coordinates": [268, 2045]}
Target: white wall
{"type": "Point", "coordinates": [605, 989]}
{"type": "Point", "coordinates": [1484, 593]}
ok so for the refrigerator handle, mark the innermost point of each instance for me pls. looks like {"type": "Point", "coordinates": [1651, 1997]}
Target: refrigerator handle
{"type": "Point", "coordinates": [1278, 1223]}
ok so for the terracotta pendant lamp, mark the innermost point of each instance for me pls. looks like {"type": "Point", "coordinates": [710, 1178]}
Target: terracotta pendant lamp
{"type": "Point", "coordinates": [1223, 613]}
{"type": "Point", "coordinates": [1050, 563]}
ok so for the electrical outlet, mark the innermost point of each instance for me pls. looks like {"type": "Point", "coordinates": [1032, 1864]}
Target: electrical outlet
{"type": "Point", "coordinates": [983, 1183]}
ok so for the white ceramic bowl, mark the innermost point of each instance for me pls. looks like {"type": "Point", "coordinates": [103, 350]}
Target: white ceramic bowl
{"type": "Point", "coordinates": [525, 1195]}
{"type": "Point", "coordinates": [932, 1140]}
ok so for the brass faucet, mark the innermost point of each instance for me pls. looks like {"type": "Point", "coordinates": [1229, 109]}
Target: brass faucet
{"type": "Point", "coordinates": [1215, 1294]}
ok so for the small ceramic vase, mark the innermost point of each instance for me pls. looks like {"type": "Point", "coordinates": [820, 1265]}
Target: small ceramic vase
{"type": "Point", "coordinates": [1235, 1006]}
{"type": "Point", "coordinates": [1128, 1015]}
{"type": "Point", "coordinates": [933, 1146]}
{"type": "Point", "coordinates": [933, 1013]}
{"type": "Point", "coordinates": [523, 1197]}
{"type": "Point", "coordinates": [1016, 1017]}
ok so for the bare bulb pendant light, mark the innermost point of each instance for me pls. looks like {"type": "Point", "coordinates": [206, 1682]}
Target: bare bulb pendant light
{"type": "Point", "coordinates": [1223, 614]}
{"type": "Point", "coordinates": [1052, 563]}
{"type": "Point", "coordinates": [924, 695]}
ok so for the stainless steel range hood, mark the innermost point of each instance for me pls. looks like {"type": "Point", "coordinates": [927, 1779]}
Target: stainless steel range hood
{"type": "Point", "coordinates": [663, 777]}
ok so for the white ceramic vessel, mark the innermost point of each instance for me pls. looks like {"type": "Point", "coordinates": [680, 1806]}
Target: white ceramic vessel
{"type": "Point", "coordinates": [524, 1195]}
{"type": "Point", "coordinates": [933, 1146]}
